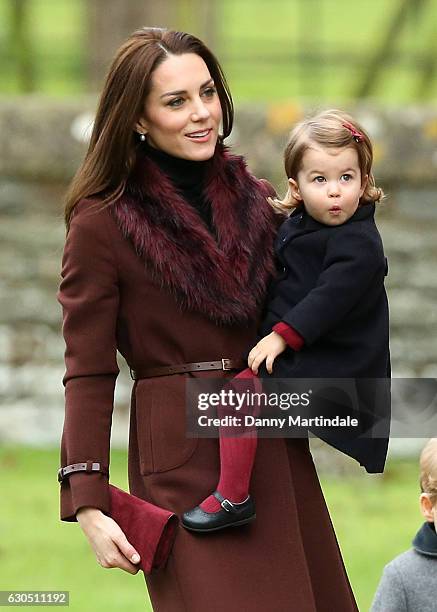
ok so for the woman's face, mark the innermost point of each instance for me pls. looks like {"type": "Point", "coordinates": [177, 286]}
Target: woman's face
{"type": "Point", "coordinates": [182, 112]}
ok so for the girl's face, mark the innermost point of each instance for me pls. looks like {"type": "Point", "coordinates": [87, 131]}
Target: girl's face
{"type": "Point", "coordinates": [329, 183]}
{"type": "Point", "coordinates": [182, 112]}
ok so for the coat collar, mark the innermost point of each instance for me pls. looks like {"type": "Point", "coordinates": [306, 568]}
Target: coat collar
{"type": "Point", "coordinates": [425, 541]}
{"type": "Point", "coordinates": [225, 278]}
{"type": "Point", "coordinates": [307, 223]}
{"type": "Point", "coordinates": [300, 222]}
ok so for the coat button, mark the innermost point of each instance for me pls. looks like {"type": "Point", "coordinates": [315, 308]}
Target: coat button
{"type": "Point", "coordinates": [284, 239]}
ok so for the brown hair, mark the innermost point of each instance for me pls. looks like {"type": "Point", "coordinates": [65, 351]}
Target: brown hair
{"type": "Point", "coordinates": [327, 130]}
{"type": "Point", "coordinates": [112, 149]}
{"type": "Point", "coordinates": [428, 469]}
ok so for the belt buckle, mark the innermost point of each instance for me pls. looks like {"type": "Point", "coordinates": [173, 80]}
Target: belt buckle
{"type": "Point", "coordinates": [226, 364]}
{"type": "Point", "coordinates": [60, 474]}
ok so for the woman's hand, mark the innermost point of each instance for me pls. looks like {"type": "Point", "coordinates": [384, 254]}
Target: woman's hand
{"type": "Point", "coordinates": [268, 348]}
{"type": "Point", "coordinates": [107, 540]}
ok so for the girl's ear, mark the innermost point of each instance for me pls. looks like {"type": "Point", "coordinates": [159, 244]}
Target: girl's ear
{"type": "Point", "coordinates": [364, 184]}
{"type": "Point", "coordinates": [426, 507]}
{"type": "Point", "coordinates": [294, 189]}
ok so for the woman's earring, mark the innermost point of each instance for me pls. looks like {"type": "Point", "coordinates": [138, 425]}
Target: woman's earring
{"type": "Point", "coordinates": [142, 137]}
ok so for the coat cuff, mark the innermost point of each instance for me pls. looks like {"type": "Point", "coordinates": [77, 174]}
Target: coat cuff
{"type": "Point", "coordinates": [82, 489]}
{"type": "Point", "coordinates": [290, 335]}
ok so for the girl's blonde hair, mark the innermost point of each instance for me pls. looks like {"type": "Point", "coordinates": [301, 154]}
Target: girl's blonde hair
{"type": "Point", "coordinates": [327, 129]}
{"type": "Point", "coordinates": [428, 469]}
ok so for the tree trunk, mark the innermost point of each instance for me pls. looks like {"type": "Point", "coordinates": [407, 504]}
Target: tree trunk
{"type": "Point", "coordinates": [21, 43]}
{"type": "Point", "coordinates": [376, 65]}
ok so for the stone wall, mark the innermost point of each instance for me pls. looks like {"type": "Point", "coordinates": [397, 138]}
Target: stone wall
{"type": "Point", "coordinates": [42, 142]}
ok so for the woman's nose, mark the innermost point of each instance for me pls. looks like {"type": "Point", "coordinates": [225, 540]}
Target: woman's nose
{"type": "Point", "coordinates": [200, 111]}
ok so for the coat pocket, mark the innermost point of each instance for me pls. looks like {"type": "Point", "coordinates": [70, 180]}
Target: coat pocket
{"type": "Point", "coordinates": [160, 411]}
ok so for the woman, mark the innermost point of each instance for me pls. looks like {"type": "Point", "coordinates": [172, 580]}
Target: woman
{"type": "Point", "coordinates": [167, 259]}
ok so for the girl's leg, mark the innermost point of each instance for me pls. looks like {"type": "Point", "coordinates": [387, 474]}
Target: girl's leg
{"type": "Point", "coordinates": [237, 455]}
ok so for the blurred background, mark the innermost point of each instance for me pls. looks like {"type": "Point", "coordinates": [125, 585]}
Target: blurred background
{"type": "Point", "coordinates": [283, 59]}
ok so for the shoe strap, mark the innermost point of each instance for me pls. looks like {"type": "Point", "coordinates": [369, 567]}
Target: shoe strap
{"type": "Point", "coordinates": [226, 504]}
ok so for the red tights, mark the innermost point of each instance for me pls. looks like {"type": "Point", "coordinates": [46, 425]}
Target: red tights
{"type": "Point", "coordinates": [237, 456]}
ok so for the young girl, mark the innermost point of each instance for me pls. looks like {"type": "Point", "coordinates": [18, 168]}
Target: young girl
{"type": "Point", "coordinates": [327, 312]}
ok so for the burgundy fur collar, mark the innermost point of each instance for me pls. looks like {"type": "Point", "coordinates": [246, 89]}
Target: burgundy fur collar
{"type": "Point", "coordinates": [225, 279]}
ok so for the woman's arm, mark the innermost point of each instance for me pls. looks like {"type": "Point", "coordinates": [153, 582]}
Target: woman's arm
{"type": "Point", "coordinates": [89, 297]}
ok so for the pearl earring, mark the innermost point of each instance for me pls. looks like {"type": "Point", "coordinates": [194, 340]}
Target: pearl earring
{"type": "Point", "coordinates": [142, 137]}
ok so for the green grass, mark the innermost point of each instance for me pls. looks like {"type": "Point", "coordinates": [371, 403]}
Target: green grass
{"type": "Point", "coordinates": [265, 47]}
{"type": "Point", "coordinates": [39, 552]}
{"type": "Point", "coordinates": [375, 519]}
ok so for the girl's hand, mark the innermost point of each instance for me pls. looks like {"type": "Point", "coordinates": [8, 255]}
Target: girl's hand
{"type": "Point", "coordinates": [268, 348]}
{"type": "Point", "coordinates": [107, 540]}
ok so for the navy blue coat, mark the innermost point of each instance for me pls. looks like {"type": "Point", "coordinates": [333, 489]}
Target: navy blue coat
{"type": "Point", "coordinates": [330, 289]}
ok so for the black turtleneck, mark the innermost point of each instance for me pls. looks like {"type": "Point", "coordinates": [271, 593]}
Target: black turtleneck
{"type": "Point", "coordinates": [187, 176]}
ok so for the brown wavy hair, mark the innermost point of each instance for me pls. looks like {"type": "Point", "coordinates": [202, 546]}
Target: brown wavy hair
{"type": "Point", "coordinates": [113, 145]}
{"type": "Point", "coordinates": [428, 469]}
{"type": "Point", "coordinates": [327, 130]}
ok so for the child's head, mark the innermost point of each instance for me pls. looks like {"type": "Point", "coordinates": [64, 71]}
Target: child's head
{"type": "Point", "coordinates": [328, 162]}
{"type": "Point", "coordinates": [428, 481]}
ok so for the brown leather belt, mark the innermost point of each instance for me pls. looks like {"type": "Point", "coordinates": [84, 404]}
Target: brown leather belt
{"type": "Point", "coordinates": [199, 366]}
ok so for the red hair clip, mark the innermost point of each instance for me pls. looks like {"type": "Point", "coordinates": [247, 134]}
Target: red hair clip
{"type": "Point", "coordinates": [357, 136]}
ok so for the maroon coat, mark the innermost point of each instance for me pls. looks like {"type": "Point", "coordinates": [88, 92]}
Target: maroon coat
{"type": "Point", "coordinates": [147, 278]}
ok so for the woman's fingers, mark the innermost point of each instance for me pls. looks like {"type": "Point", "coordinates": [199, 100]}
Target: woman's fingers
{"type": "Point", "coordinates": [109, 555]}
{"type": "Point", "coordinates": [115, 558]}
{"type": "Point", "coordinates": [118, 552]}
{"type": "Point", "coordinates": [109, 543]}
{"type": "Point", "coordinates": [126, 548]}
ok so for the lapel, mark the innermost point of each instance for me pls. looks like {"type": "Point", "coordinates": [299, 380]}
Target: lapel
{"type": "Point", "coordinates": [225, 278]}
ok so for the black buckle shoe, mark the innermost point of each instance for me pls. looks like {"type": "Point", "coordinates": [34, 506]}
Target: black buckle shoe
{"type": "Point", "coordinates": [231, 515]}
